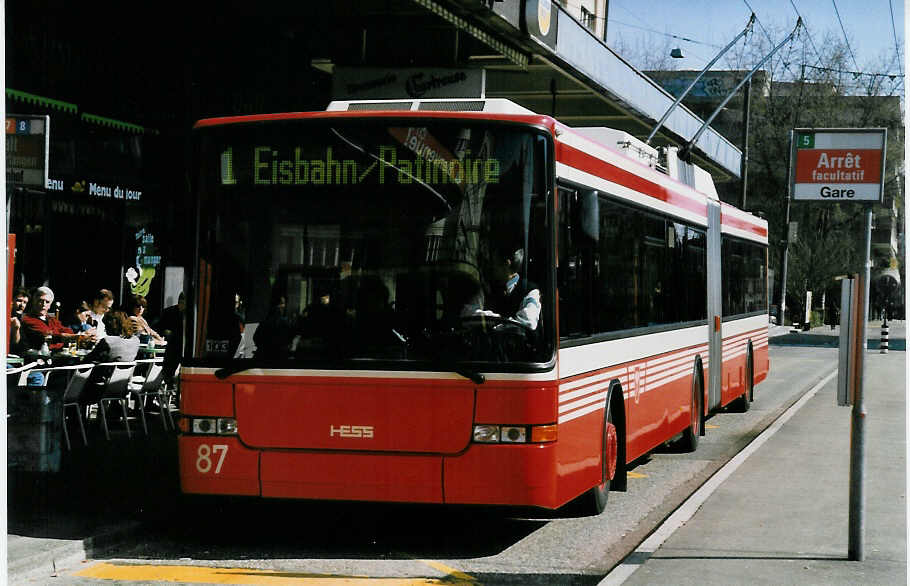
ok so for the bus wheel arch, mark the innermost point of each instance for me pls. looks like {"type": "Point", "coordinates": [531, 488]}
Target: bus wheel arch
{"type": "Point", "coordinates": [612, 454]}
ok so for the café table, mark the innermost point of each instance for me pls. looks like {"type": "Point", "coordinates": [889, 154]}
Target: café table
{"type": "Point", "coordinates": [57, 357]}
{"type": "Point", "coordinates": [153, 352]}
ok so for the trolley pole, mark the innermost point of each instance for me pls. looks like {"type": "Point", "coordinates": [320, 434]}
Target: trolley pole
{"type": "Point", "coordinates": [857, 518]}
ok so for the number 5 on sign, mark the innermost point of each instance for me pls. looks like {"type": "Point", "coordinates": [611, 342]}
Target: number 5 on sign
{"type": "Point", "coordinates": [204, 457]}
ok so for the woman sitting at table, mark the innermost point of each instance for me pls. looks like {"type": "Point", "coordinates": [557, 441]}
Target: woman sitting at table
{"type": "Point", "coordinates": [81, 318]}
{"type": "Point", "coordinates": [135, 308]}
{"type": "Point", "coordinates": [119, 345]}
{"type": "Point", "coordinates": [38, 327]}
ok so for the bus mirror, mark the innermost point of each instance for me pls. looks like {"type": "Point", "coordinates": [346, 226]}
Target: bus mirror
{"type": "Point", "coordinates": [589, 215]}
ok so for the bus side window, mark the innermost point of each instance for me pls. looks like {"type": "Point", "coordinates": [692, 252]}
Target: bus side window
{"type": "Point", "coordinates": [573, 278]}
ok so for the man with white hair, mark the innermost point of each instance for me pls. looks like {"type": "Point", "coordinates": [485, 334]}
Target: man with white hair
{"type": "Point", "coordinates": [37, 325]}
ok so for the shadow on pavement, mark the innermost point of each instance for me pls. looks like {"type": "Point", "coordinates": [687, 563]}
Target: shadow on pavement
{"type": "Point", "coordinates": [97, 486]}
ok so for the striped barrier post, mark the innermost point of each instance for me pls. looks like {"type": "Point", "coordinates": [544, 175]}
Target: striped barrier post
{"type": "Point", "coordinates": [883, 345]}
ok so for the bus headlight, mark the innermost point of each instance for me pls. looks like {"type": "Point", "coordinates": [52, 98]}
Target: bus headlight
{"type": "Point", "coordinates": [203, 425]}
{"type": "Point", "coordinates": [212, 425]}
{"type": "Point", "coordinates": [227, 426]}
{"type": "Point", "coordinates": [513, 434]}
{"type": "Point", "coordinates": [486, 434]}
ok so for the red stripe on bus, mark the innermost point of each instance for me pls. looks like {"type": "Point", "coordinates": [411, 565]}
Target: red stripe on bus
{"type": "Point", "coordinates": [600, 168]}
{"type": "Point", "coordinates": [731, 221]}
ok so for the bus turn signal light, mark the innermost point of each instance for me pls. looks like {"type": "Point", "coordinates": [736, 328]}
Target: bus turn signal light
{"type": "Point", "coordinates": [543, 433]}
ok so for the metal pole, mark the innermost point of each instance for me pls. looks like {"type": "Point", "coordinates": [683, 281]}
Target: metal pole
{"type": "Point", "coordinates": [692, 141]}
{"type": "Point", "coordinates": [783, 276]}
{"type": "Point", "coordinates": [883, 343]}
{"type": "Point", "coordinates": [697, 77]}
{"type": "Point", "coordinates": [744, 168]}
{"type": "Point", "coordinates": [857, 521]}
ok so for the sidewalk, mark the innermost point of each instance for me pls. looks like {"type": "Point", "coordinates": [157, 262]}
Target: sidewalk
{"type": "Point", "coordinates": [100, 496]}
{"type": "Point", "coordinates": [782, 516]}
{"type": "Point", "coordinates": [830, 336]}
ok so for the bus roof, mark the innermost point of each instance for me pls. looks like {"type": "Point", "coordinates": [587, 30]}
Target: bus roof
{"type": "Point", "coordinates": [688, 178]}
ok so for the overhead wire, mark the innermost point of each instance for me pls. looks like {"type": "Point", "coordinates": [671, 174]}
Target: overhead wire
{"type": "Point", "coordinates": [846, 40]}
{"type": "Point", "coordinates": [897, 48]}
{"type": "Point", "coordinates": [818, 56]}
{"type": "Point", "coordinates": [681, 38]}
{"type": "Point", "coordinates": [854, 73]}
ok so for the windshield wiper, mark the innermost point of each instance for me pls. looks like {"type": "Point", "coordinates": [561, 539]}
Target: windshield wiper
{"type": "Point", "coordinates": [437, 360]}
{"type": "Point", "coordinates": [475, 377]}
{"type": "Point", "coordinates": [381, 161]}
{"type": "Point", "coordinates": [235, 367]}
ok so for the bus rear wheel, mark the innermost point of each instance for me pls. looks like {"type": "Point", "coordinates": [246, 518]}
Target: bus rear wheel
{"type": "Point", "coordinates": [690, 435]}
{"type": "Point", "coordinates": [745, 400]}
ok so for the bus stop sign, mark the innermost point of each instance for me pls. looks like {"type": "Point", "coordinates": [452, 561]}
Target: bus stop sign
{"type": "Point", "coordinates": [27, 148]}
{"type": "Point", "coordinates": [838, 164]}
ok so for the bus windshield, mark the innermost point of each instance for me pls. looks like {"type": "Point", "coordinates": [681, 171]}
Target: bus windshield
{"type": "Point", "coordinates": [333, 242]}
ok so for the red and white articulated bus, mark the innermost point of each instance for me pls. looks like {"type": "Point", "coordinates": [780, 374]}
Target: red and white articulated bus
{"type": "Point", "coordinates": [456, 301]}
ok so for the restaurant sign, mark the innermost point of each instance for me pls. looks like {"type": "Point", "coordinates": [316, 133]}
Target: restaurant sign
{"type": "Point", "coordinates": [837, 164]}
{"type": "Point", "coordinates": [95, 189]}
{"type": "Point", "coordinates": [27, 148]}
{"type": "Point", "coordinates": [370, 83]}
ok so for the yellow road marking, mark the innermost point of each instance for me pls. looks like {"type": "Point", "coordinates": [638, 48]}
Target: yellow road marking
{"type": "Point", "coordinates": [451, 572]}
{"type": "Point", "coordinates": [207, 575]}
{"type": "Point", "coordinates": [709, 426]}
{"type": "Point", "coordinates": [635, 475]}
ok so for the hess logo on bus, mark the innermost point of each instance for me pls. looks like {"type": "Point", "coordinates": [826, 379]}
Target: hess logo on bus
{"type": "Point", "coordinates": [352, 431]}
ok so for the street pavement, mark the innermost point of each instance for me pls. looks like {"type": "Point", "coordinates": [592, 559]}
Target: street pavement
{"type": "Point", "coordinates": [780, 518]}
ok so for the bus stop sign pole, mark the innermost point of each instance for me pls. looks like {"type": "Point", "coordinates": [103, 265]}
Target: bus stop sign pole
{"type": "Point", "coordinates": [857, 519]}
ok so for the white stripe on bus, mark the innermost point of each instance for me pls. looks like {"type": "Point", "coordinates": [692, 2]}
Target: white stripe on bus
{"type": "Point", "coordinates": [624, 193]}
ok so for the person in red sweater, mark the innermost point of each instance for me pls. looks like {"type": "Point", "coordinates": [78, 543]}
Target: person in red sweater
{"type": "Point", "coordinates": [37, 325]}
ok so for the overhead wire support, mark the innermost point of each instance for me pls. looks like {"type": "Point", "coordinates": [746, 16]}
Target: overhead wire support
{"type": "Point", "coordinates": [685, 151]}
{"type": "Point", "coordinates": [685, 92]}
{"type": "Point", "coordinates": [770, 40]}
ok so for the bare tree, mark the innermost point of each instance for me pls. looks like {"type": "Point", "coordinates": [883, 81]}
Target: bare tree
{"type": "Point", "coordinates": [811, 82]}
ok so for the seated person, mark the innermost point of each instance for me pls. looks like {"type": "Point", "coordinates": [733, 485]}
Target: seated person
{"type": "Point", "coordinates": [119, 345]}
{"type": "Point", "coordinates": [510, 296]}
{"type": "Point", "coordinates": [101, 305]}
{"type": "Point", "coordinates": [274, 335]}
{"type": "Point", "coordinates": [16, 340]}
{"type": "Point", "coordinates": [135, 308]}
{"type": "Point", "coordinates": [38, 327]}
{"type": "Point", "coordinates": [81, 318]}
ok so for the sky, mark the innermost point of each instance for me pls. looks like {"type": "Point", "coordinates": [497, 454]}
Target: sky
{"type": "Point", "coordinates": [868, 26]}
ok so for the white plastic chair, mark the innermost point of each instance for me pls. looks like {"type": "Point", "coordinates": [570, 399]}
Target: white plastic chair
{"type": "Point", "coordinates": [149, 386]}
{"type": "Point", "coordinates": [116, 389]}
{"type": "Point", "coordinates": [71, 398]}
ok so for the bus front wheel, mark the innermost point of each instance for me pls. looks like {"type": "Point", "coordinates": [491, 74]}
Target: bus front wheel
{"type": "Point", "coordinates": [599, 495]}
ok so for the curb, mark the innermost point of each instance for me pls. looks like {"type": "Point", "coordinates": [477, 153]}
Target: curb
{"type": "Point", "coordinates": [66, 553]}
{"type": "Point", "coordinates": [828, 341]}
